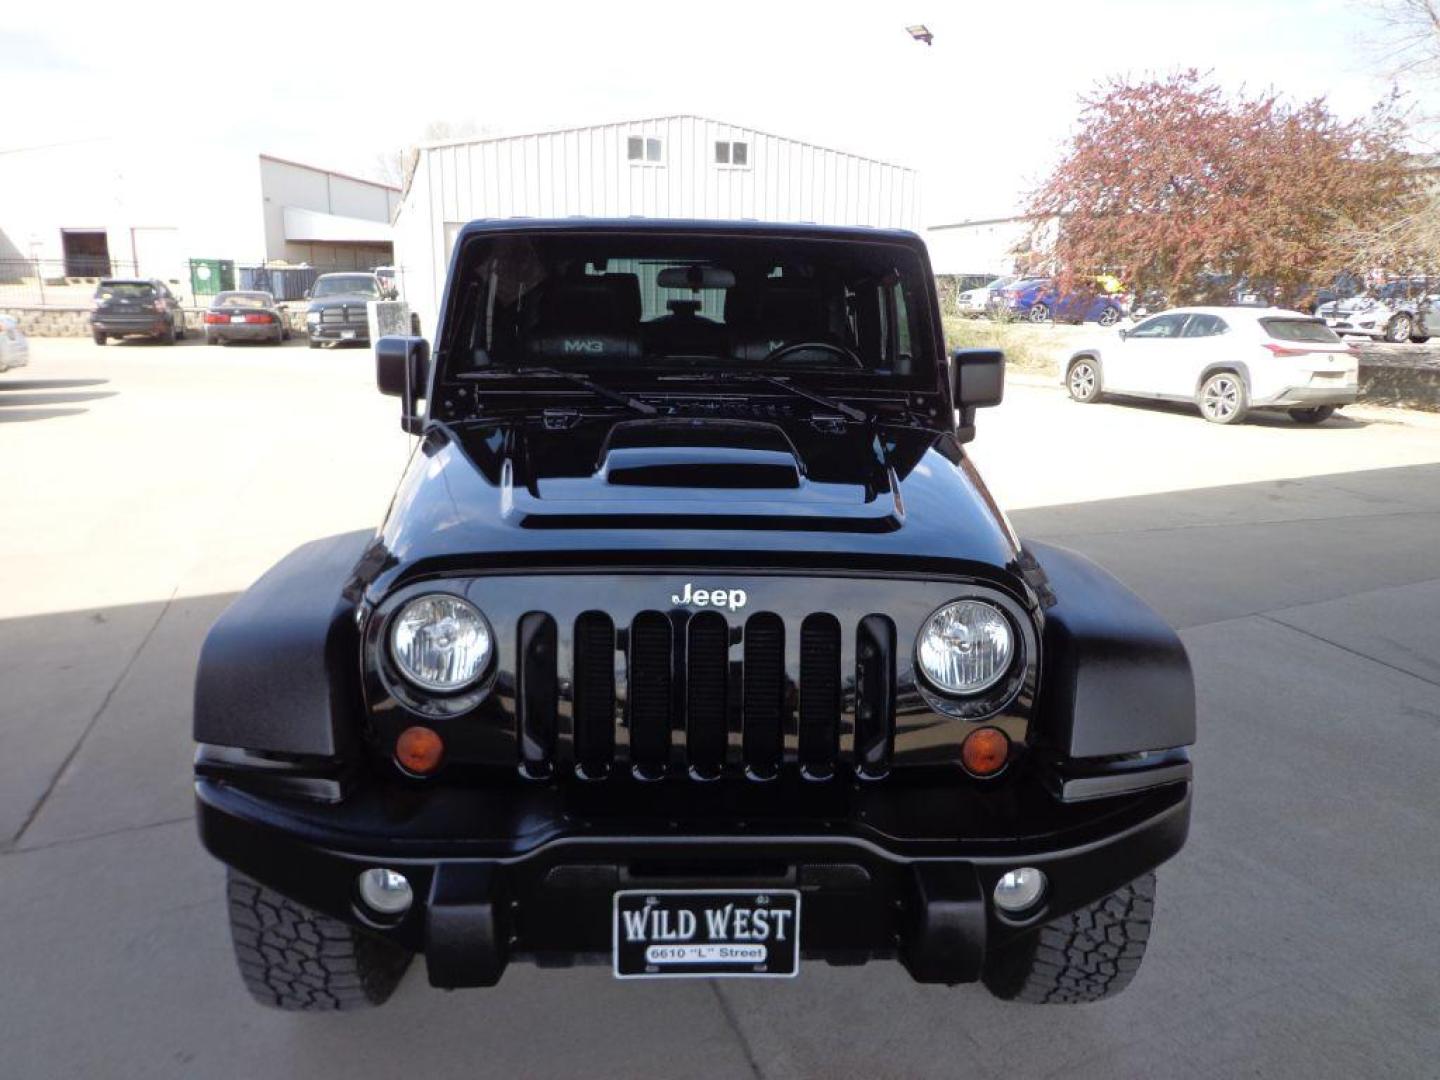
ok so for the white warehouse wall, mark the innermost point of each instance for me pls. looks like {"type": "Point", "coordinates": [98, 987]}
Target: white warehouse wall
{"type": "Point", "coordinates": [585, 171]}
{"type": "Point", "coordinates": [291, 185]}
{"type": "Point", "coordinates": [146, 199]}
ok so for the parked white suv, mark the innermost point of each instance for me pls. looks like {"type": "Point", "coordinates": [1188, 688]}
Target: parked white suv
{"type": "Point", "coordinates": [976, 302]}
{"type": "Point", "coordinates": [1227, 360]}
{"type": "Point", "coordinates": [14, 346]}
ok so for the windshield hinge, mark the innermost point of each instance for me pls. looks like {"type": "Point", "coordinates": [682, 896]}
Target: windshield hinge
{"type": "Point", "coordinates": [561, 419]}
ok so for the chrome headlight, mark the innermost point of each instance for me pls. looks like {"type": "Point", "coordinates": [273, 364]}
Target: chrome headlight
{"type": "Point", "coordinates": [441, 642]}
{"type": "Point", "coordinates": [966, 647]}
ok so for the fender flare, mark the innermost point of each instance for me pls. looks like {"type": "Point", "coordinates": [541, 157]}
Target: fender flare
{"type": "Point", "coordinates": [1116, 676]}
{"type": "Point", "coordinates": [1084, 354]}
{"type": "Point", "coordinates": [1239, 367]}
{"type": "Point", "coordinates": [280, 670]}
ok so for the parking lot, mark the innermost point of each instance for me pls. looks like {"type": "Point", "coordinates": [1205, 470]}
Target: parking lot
{"type": "Point", "coordinates": [1295, 936]}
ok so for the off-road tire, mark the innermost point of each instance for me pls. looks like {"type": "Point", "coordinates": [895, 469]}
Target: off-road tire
{"type": "Point", "coordinates": [98, 337]}
{"type": "Point", "coordinates": [298, 960]}
{"type": "Point", "coordinates": [1087, 956]}
{"type": "Point", "coordinates": [1315, 415]}
{"type": "Point", "coordinates": [1082, 389]}
{"type": "Point", "coordinates": [1398, 329]}
{"type": "Point", "coordinates": [1229, 407]}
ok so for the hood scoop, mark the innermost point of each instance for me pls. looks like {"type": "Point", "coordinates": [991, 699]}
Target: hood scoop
{"type": "Point", "coordinates": [701, 467]}
{"type": "Point", "coordinates": [707, 473]}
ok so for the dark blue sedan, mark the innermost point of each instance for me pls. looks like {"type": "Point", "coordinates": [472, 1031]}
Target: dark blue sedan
{"type": "Point", "coordinates": [1039, 300]}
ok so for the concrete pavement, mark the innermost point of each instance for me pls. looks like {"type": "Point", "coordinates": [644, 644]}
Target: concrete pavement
{"type": "Point", "coordinates": [1295, 934]}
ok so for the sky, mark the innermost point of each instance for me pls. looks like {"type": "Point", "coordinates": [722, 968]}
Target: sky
{"type": "Point", "coordinates": [982, 113]}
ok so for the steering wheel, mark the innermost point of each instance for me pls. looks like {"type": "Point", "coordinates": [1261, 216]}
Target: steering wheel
{"type": "Point", "coordinates": [777, 355]}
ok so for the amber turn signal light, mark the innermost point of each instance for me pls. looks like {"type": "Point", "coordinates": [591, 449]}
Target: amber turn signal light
{"type": "Point", "coordinates": [419, 750]}
{"type": "Point", "coordinates": [985, 751]}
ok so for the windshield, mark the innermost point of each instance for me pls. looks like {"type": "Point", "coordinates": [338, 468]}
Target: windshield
{"type": "Point", "coordinates": [347, 285]}
{"type": "Point", "coordinates": [243, 300]}
{"type": "Point", "coordinates": [127, 290]}
{"type": "Point", "coordinates": [649, 304]}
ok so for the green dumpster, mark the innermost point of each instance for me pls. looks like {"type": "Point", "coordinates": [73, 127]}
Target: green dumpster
{"type": "Point", "coordinates": [210, 276]}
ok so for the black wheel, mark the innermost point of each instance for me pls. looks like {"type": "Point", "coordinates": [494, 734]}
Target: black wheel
{"type": "Point", "coordinates": [180, 330]}
{"type": "Point", "coordinates": [1039, 313]}
{"type": "Point", "coordinates": [1419, 339]}
{"type": "Point", "coordinates": [168, 337]}
{"type": "Point", "coordinates": [1087, 956]}
{"type": "Point", "coordinates": [296, 959]}
{"type": "Point", "coordinates": [1223, 398]}
{"type": "Point", "coordinates": [1109, 317]}
{"type": "Point", "coordinates": [1082, 380]}
{"type": "Point", "coordinates": [314, 344]}
{"type": "Point", "coordinates": [212, 340]}
{"type": "Point", "coordinates": [1317, 415]}
{"type": "Point", "coordinates": [98, 337]}
{"type": "Point", "coordinates": [1398, 328]}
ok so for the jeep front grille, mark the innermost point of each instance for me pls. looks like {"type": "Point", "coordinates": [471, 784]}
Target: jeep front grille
{"type": "Point", "coordinates": [703, 694]}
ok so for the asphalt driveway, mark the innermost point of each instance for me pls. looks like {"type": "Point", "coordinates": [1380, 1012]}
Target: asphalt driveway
{"type": "Point", "coordinates": [1296, 934]}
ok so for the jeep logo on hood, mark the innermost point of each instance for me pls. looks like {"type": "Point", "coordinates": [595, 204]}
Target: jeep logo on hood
{"type": "Point", "coordinates": [734, 599]}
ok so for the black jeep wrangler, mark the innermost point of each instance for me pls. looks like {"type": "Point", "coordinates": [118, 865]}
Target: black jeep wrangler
{"type": "Point", "coordinates": [692, 643]}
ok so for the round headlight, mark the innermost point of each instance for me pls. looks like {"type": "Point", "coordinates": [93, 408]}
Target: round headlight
{"type": "Point", "coordinates": [441, 642]}
{"type": "Point", "coordinates": [966, 647]}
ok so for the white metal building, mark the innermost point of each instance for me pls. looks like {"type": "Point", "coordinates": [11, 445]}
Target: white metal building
{"type": "Point", "coordinates": [92, 207]}
{"type": "Point", "coordinates": [985, 247]}
{"type": "Point", "coordinates": [988, 246]}
{"type": "Point", "coordinates": [666, 166]}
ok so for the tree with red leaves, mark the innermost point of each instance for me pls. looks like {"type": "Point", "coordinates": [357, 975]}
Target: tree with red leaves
{"type": "Point", "coordinates": [1173, 183]}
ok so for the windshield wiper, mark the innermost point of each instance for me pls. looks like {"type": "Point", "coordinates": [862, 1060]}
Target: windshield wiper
{"type": "Point", "coordinates": [848, 411]}
{"type": "Point", "coordinates": [599, 390]}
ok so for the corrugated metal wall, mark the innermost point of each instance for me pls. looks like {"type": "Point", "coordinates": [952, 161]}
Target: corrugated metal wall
{"type": "Point", "coordinates": [586, 171]}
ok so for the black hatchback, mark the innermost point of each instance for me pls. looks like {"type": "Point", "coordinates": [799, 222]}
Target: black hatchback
{"type": "Point", "coordinates": [126, 307]}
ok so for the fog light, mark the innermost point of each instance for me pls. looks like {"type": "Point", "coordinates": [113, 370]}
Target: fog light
{"type": "Point", "coordinates": [1019, 890]}
{"type": "Point", "coordinates": [386, 892]}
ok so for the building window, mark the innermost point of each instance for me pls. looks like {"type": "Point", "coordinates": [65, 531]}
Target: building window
{"type": "Point", "coordinates": [645, 150]}
{"type": "Point", "coordinates": [734, 154]}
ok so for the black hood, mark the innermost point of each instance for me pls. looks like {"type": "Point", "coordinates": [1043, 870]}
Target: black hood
{"type": "Point", "coordinates": [699, 491]}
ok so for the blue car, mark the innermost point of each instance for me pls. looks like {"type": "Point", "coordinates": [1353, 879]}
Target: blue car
{"type": "Point", "coordinates": [1039, 300]}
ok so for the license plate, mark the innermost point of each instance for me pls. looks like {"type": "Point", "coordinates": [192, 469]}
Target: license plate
{"type": "Point", "coordinates": [707, 933]}
{"type": "Point", "coordinates": [347, 333]}
{"type": "Point", "coordinates": [237, 318]}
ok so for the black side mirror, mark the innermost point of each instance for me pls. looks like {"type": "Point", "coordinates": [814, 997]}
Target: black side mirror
{"type": "Point", "coordinates": [402, 369]}
{"type": "Point", "coordinates": [1124, 333]}
{"type": "Point", "coordinates": [977, 381]}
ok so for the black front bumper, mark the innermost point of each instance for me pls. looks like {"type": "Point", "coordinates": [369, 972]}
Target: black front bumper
{"type": "Point", "coordinates": [535, 880]}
